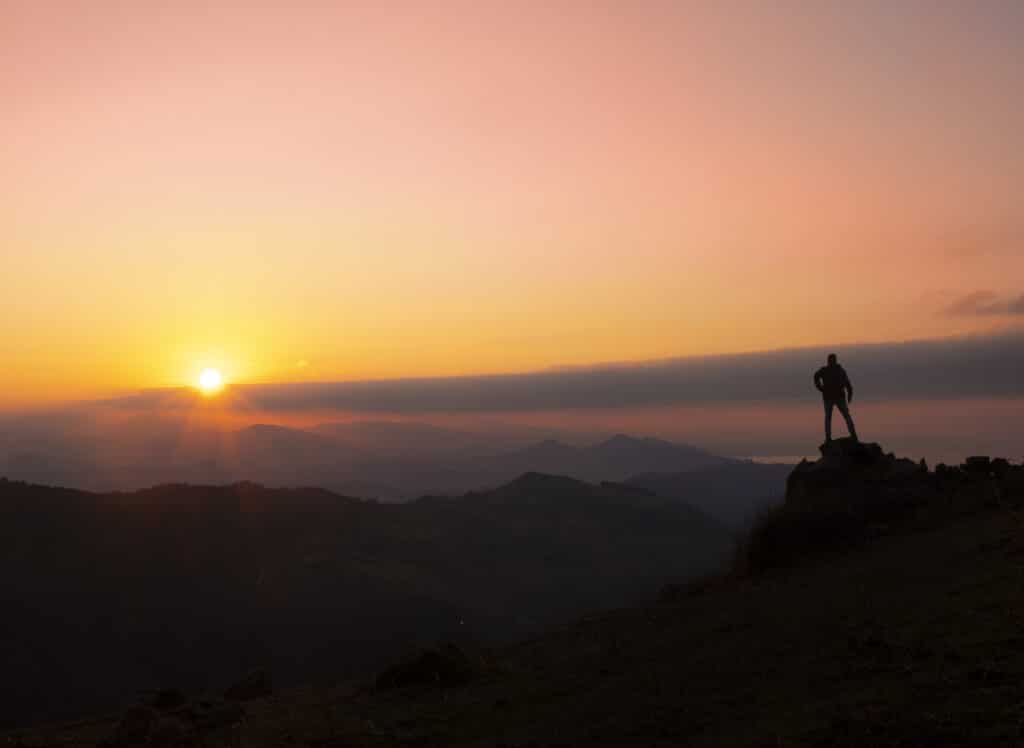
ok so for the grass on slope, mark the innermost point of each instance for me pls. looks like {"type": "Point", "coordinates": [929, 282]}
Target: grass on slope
{"type": "Point", "coordinates": [914, 640]}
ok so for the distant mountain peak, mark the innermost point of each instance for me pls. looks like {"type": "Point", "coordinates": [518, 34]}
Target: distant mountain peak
{"type": "Point", "coordinates": [625, 441]}
{"type": "Point", "coordinates": [534, 481]}
{"type": "Point", "coordinates": [267, 428]}
{"type": "Point", "coordinates": [546, 446]}
{"type": "Point", "coordinates": [621, 438]}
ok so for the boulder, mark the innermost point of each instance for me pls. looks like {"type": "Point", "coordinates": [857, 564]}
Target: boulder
{"type": "Point", "coordinates": [256, 685]}
{"type": "Point", "coordinates": [447, 666]}
{"type": "Point", "coordinates": [1000, 467]}
{"type": "Point", "coordinates": [851, 449]}
{"type": "Point", "coordinates": [978, 465]}
{"type": "Point", "coordinates": [843, 461]}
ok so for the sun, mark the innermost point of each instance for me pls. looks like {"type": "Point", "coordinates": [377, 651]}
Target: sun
{"type": "Point", "coordinates": [210, 381]}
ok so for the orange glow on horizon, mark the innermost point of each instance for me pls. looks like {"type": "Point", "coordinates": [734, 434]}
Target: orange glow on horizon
{"type": "Point", "coordinates": [210, 382]}
{"type": "Point", "coordinates": [333, 191]}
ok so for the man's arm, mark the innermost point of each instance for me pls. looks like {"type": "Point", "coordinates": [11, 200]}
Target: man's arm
{"type": "Point", "coordinates": [818, 385]}
{"type": "Point", "coordinates": [848, 385]}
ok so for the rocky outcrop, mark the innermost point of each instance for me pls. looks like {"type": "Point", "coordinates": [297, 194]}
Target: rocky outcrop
{"type": "Point", "coordinates": [849, 466]}
{"type": "Point", "coordinates": [857, 491]}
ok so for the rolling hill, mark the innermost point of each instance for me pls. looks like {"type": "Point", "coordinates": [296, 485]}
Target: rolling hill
{"type": "Point", "coordinates": [732, 493]}
{"type": "Point", "coordinates": [107, 594]}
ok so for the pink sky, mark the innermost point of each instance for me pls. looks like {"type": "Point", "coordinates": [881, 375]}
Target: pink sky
{"type": "Point", "coordinates": [294, 191]}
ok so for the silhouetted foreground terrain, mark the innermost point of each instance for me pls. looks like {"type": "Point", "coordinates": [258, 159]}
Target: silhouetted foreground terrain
{"type": "Point", "coordinates": [903, 629]}
{"type": "Point", "coordinates": [192, 586]}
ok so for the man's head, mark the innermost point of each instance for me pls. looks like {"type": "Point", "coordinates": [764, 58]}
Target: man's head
{"type": "Point", "coordinates": [831, 359]}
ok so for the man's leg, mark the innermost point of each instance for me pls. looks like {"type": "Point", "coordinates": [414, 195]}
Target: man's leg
{"type": "Point", "coordinates": [828, 420]}
{"type": "Point", "coordinates": [845, 410]}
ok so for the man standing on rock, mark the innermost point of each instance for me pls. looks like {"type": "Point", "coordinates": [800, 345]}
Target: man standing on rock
{"type": "Point", "coordinates": [835, 388]}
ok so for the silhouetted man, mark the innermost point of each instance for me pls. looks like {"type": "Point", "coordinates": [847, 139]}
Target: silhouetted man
{"type": "Point", "coordinates": [836, 390]}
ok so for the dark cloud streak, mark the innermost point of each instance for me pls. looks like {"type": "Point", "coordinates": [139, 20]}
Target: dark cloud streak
{"type": "Point", "coordinates": [989, 366]}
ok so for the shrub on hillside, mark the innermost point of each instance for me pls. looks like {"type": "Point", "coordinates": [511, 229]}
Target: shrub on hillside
{"type": "Point", "coordinates": [447, 667]}
{"type": "Point", "coordinates": [783, 534]}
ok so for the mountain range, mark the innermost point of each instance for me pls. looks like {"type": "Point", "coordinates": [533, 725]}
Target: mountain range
{"type": "Point", "coordinates": [734, 493]}
{"type": "Point", "coordinates": [107, 594]}
{"type": "Point", "coordinates": [391, 461]}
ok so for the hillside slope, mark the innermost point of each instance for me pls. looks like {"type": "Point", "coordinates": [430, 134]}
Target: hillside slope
{"type": "Point", "coordinates": [910, 636]}
{"type": "Point", "coordinates": [733, 493]}
{"type": "Point", "coordinates": [191, 586]}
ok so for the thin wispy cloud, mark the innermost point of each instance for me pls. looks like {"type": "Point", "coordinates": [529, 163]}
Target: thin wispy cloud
{"type": "Point", "coordinates": [997, 239]}
{"type": "Point", "coordinates": [986, 304]}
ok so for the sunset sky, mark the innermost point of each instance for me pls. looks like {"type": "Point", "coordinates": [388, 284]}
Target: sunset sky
{"type": "Point", "coordinates": [327, 191]}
